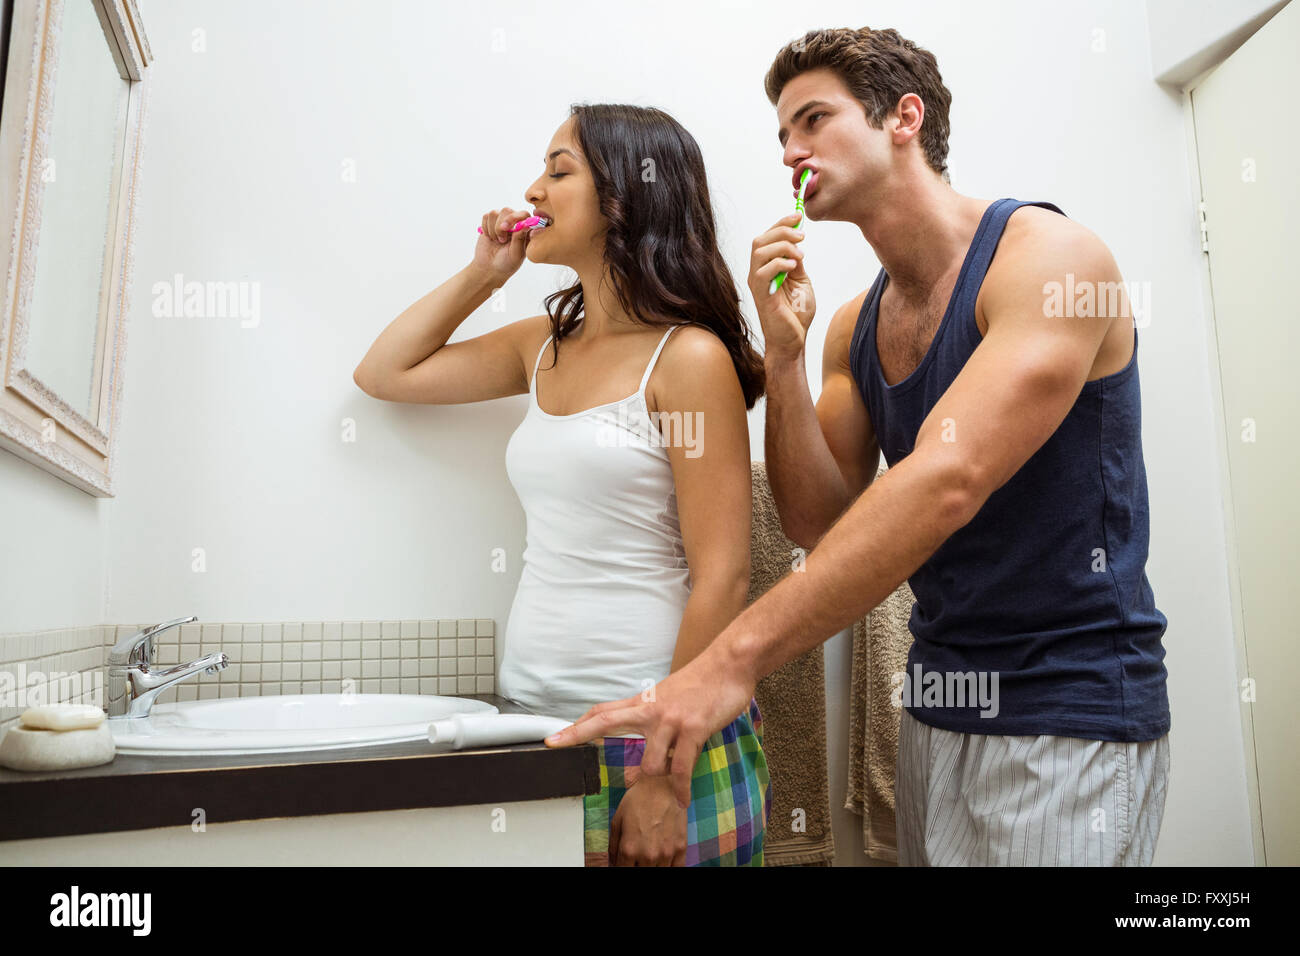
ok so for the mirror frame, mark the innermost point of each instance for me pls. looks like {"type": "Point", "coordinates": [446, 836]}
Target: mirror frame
{"type": "Point", "coordinates": [36, 423]}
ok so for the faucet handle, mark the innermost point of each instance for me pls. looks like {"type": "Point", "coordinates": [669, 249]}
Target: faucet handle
{"type": "Point", "coordinates": [138, 648]}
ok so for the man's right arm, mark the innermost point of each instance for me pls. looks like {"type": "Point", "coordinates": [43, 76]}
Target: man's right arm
{"type": "Point", "coordinates": [818, 459]}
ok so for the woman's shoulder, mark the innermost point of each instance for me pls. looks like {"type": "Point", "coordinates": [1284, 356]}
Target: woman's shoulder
{"type": "Point", "coordinates": [696, 348]}
{"type": "Point", "coordinates": [701, 340]}
{"type": "Point", "coordinates": [693, 359]}
{"type": "Point", "coordinates": [530, 337]}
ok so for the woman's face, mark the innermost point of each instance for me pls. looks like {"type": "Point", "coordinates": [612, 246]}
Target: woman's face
{"type": "Point", "coordinates": [565, 194]}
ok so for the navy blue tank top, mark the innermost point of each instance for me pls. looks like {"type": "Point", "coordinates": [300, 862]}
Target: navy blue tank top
{"type": "Point", "coordinates": [1037, 616]}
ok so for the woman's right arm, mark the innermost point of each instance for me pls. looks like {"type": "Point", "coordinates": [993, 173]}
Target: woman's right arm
{"type": "Point", "coordinates": [411, 360]}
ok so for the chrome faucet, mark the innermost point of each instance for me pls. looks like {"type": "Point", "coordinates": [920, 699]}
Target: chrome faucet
{"type": "Point", "coordinates": [133, 687]}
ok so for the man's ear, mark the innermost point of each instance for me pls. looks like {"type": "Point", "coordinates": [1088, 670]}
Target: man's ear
{"type": "Point", "coordinates": [910, 114]}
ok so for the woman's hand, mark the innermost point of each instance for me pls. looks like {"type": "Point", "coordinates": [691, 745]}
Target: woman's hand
{"type": "Point", "coordinates": [649, 828]}
{"type": "Point", "coordinates": [787, 313]}
{"type": "Point", "coordinates": [499, 252]}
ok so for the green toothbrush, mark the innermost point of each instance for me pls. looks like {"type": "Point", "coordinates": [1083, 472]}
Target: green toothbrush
{"type": "Point", "coordinates": [798, 207]}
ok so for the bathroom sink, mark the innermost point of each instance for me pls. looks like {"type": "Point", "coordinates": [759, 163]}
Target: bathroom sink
{"type": "Point", "coordinates": [287, 722]}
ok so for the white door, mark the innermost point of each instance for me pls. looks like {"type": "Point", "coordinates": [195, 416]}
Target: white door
{"type": "Point", "coordinates": [1247, 144]}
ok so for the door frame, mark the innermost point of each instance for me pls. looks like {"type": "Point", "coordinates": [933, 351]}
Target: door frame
{"type": "Point", "coordinates": [1233, 568]}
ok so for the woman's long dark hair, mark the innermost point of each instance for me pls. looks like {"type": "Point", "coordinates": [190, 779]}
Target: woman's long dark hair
{"type": "Point", "coordinates": [661, 246]}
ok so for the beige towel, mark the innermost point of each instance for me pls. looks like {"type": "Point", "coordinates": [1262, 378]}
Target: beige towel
{"type": "Point", "coordinates": [881, 641]}
{"type": "Point", "coordinates": [792, 700]}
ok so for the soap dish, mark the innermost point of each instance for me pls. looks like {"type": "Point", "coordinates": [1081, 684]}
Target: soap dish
{"type": "Point", "coordinates": [58, 737]}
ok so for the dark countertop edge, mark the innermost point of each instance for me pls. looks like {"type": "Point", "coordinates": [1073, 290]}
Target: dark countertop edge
{"type": "Point", "coordinates": [138, 791]}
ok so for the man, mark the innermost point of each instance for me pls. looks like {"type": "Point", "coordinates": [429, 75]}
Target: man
{"type": "Point", "coordinates": [993, 360]}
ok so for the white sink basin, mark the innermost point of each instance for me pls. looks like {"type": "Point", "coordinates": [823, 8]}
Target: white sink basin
{"type": "Point", "coordinates": [276, 724]}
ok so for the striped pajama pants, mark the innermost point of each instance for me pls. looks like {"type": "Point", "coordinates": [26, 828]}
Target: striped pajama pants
{"type": "Point", "coordinates": [1000, 800]}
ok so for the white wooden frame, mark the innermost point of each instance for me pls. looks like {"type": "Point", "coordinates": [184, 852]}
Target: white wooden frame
{"type": "Point", "coordinates": [36, 423]}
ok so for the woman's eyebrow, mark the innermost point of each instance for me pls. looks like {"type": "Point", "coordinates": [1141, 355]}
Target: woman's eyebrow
{"type": "Point", "coordinates": [557, 153]}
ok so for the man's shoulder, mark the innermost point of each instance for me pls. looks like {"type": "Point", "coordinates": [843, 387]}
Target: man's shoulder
{"type": "Point", "coordinates": [1040, 246]}
{"type": "Point", "coordinates": [1038, 237]}
{"type": "Point", "coordinates": [846, 316]}
{"type": "Point", "coordinates": [840, 332]}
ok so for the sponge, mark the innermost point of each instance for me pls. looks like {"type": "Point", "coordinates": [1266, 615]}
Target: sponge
{"type": "Point", "coordinates": [58, 737]}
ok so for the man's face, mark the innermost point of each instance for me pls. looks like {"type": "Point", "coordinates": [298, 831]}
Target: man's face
{"type": "Point", "coordinates": [824, 128]}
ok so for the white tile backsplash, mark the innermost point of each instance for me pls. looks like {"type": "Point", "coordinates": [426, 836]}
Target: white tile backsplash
{"type": "Point", "coordinates": [452, 656]}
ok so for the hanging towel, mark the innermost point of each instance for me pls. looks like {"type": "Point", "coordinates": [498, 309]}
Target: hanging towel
{"type": "Point", "coordinates": [792, 700]}
{"type": "Point", "coordinates": [881, 641]}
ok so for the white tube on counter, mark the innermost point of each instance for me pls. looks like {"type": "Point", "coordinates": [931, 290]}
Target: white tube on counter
{"type": "Point", "coordinates": [493, 730]}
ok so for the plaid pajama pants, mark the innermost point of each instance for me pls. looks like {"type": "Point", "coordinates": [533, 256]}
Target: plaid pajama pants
{"type": "Point", "coordinates": [731, 796]}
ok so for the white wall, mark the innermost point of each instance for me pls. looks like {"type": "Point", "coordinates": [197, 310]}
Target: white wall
{"type": "Point", "coordinates": [1188, 39]}
{"type": "Point", "coordinates": [231, 437]}
{"type": "Point", "coordinates": [52, 561]}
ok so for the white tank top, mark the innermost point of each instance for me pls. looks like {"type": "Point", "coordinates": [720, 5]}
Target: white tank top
{"type": "Point", "coordinates": [604, 583]}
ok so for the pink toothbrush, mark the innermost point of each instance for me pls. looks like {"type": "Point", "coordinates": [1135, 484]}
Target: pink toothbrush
{"type": "Point", "coordinates": [525, 224]}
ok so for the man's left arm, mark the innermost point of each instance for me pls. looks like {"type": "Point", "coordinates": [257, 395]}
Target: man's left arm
{"type": "Point", "coordinates": [1012, 394]}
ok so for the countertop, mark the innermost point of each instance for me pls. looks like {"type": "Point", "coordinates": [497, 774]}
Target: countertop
{"type": "Point", "coordinates": [138, 791]}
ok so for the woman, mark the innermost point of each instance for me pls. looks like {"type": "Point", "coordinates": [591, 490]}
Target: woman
{"type": "Point", "coordinates": [638, 517]}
